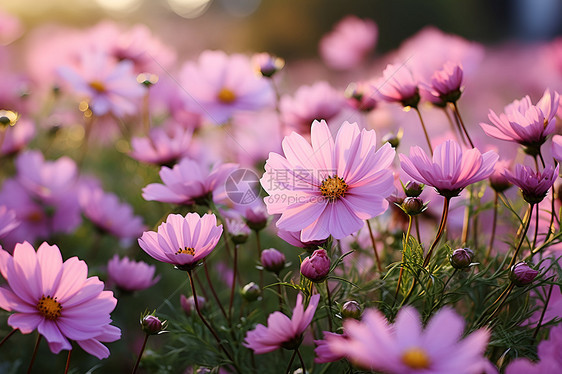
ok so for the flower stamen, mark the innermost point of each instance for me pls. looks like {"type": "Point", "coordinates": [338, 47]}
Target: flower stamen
{"type": "Point", "coordinates": [187, 250]}
{"type": "Point", "coordinates": [226, 96]}
{"type": "Point", "coordinates": [333, 188]}
{"type": "Point", "coordinates": [416, 358]}
{"type": "Point", "coordinates": [97, 86]}
{"type": "Point", "coordinates": [49, 307]}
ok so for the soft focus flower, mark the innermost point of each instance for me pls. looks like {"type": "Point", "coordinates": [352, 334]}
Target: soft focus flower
{"type": "Point", "coordinates": [8, 221]}
{"type": "Point", "coordinates": [256, 217]}
{"type": "Point", "coordinates": [534, 185]}
{"type": "Point", "coordinates": [329, 187]}
{"type": "Point", "coordinates": [294, 238]}
{"type": "Point", "coordinates": [130, 275]}
{"type": "Point", "coordinates": [219, 85]}
{"type": "Point", "coordinates": [319, 101]}
{"type": "Point", "coordinates": [317, 266]}
{"type": "Point", "coordinates": [162, 146]}
{"type": "Point", "coordinates": [238, 230]}
{"type": "Point", "coordinates": [398, 85]}
{"type": "Point", "coordinates": [266, 64]}
{"type": "Point", "coordinates": [525, 123]}
{"type": "Point", "coordinates": [451, 169]}
{"type": "Point", "coordinates": [322, 350]}
{"type": "Point", "coordinates": [182, 241]}
{"type": "Point", "coordinates": [405, 348]}
{"type": "Point", "coordinates": [272, 260]}
{"type": "Point", "coordinates": [10, 28]}
{"type": "Point", "coordinates": [550, 360]}
{"type": "Point", "coordinates": [557, 147]}
{"type": "Point", "coordinates": [498, 181]}
{"type": "Point", "coordinates": [522, 274]}
{"type": "Point", "coordinates": [347, 45]}
{"type": "Point", "coordinates": [188, 303]}
{"type": "Point", "coordinates": [282, 331]}
{"type": "Point", "coordinates": [250, 292]}
{"type": "Point", "coordinates": [447, 82]}
{"type": "Point", "coordinates": [58, 299]}
{"type": "Point", "coordinates": [17, 137]}
{"type": "Point", "coordinates": [108, 86]}
{"type": "Point", "coordinates": [187, 182]}
{"type": "Point", "coordinates": [361, 96]}
{"type": "Point", "coordinates": [351, 309]}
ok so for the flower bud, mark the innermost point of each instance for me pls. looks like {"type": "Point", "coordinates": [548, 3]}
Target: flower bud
{"type": "Point", "coordinates": [239, 231]}
{"type": "Point", "coordinates": [413, 206]}
{"type": "Point", "coordinates": [461, 258]}
{"type": "Point", "coordinates": [361, 96]}
{"type": "Point", "coordinates": [522, 274]}
{"type": "Point", "coordinates": [351, 309]}
{"type": "Point", "coordinates": [317, 266]}
{"type": "Point", "coordinates": [151, 325]}
{"type": "Point", "coordinates": [267, 65]}
{"type": "Point", "coordinates": [256, 218]}
{"type": "Point", "coordinates": [272, 260]}
{"type": "Point", "coordinates": [251, 292]}
{"type": "Point", "coordinates": [413, 189]}
{"type": "Point", "coordinates": [393, 139]}
{"type": "Point", "coordinates": [188, 303]}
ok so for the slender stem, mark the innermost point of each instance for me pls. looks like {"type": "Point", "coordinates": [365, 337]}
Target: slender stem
{"type": "Point", "coordinates": [404, 245]}
{"type": "Point", "coordinates": [146, 114]}
{"type": "Point", "coordinates": [291, 361]}
{"type": "Point", "coordinates": [140, 353]}
{"type": "Point", "coordinates": [417, 222]}
{"type": "Point", "coordinates": [424, 130]}
{"type": "Point", "coordinates": [329, 307]}
{"type": "Point", "coordinates": [461, 123]}
{"type": "Point", "coordinates": [440, 231]}
{"type": "Point", "coordinates": [34, 353]}
{"type": "Point", "coordinates": [527, 224]}
{"type": "Point", "coordinates": [454, 129]}
{"type": "Point", "coordinates": [536, 228]}
{"type": "Point", "coordinates": [542, 159]}
{"type": "Point", "coordinates": [203, 318]}
{"type": "Point", "coordinates": [536, 163]}
{"type": "Point", "coordinates": [302, 361]}
{"type": "Point", "coordinates": [552, 214]}
{"type": "Point", "coordinates": [233, 283]}
{"type": "Point", "coordinates": [494, 224]}
{"type": "Point", "coordinates": [213, 290]}
{"type": "Point", "coordinates": [279, 291]}
{"type": "Point", "coordinates": [505, 295]}
{"type": "Point", "coordinates": [443, 291]}
{"type": "Point", "coordinates": [67, 362]}
{"type": "Point", "coordinates": [543, 311]}
{"type": "Point", "coordinates": [465, 224]}
{"type": "Point", "coordinates": [258, 248]}
{"type": "Point", "coordinates": [8, 336]}
{"type": "Point", "coordinates": [379, 266]}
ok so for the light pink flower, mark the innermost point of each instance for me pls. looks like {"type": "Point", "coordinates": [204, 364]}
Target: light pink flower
{"type": "Point", "coordinates": [323, 352]}
{"type": "Point", "coordinates": [451, 169]}
{"type": "Point", "coordinates": [398, 85]}
{"type": "Point", "coordinates": [525, 123]}
{"type": "Point", "coordinates": [187, 182]}
{"type": "Point", "coordinates": [108, 86]}
{"type": "Point", "coordinates": [282, 331]}
{"type": "Point", "coordinates": [130, 275]}
{"type": "Point", "coordinates": [404, 348]}
{"type": "Point", "coordinates": [557, 147]}
{"type": "Point", "coordinates": [347, 45]}
{"type": "Point", "coordinates": [8, 221]}
{"type": "Point", "coordinates": [18, 137]}
{"type": "Point", "coordinates": [331, 186]}
{"type": "Point", "coordinates": [219, 85]}
{"type": "Point", "coordinates": [361, 96]}
{"type": "Point", "coordinates": [446, 83]}
{"type": "Point", "coordinates": [162, 146]}
{"type": "Point", "coordinates": [58, 299]}
{"type": "Point", "coordinates": [319, 101]}
{"type": "Point", "coordinates": [534, 185]}
{"type": "Point", "coordinates": [182, 241]}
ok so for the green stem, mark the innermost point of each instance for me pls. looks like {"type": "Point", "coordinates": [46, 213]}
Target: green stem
{"type": "Point", "coordinates": [291, 361]}
{"type": "Point", "coordinates": [379, 266]}
{"type": "Point", "coordinates": [494, 224]}
{"type": "Point", "coordinates": [140, 353]}
{"type": "Point", "coordinates": [302, 361]}
{"type": "Point", "coordinates": [34, 355]}
{"type": "Point", "coordinates": [536, 228]}
{"type": "Point", "coordinates": [8, 336]}
{"type": "Point", "coordinates": [503, 297]}
{"type": "Point", "coordinates": [424, 130]}
{"type": "Point", "coordinates": [329, 306]}
{"type": "Point", "coordinates": [527, 224]}
{"type": "Point", "coordinates": [210, 283]}
{"type": "Point", "coordinates": [461, 123]}
{"type": "Point", "coordinates": [543, 311]}
{"type": "Point", "coordinates": [405, 244]}
{"type": "Point", "coordinates": [440, 231]}
{"type": "Point", "coordinates": [235, 269]}
{"type": "Point", "coordinates": [258, 247]}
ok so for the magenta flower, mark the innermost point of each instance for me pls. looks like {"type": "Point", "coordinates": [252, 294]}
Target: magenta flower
{"type": "Point", "coordinates": [294, 238]}
{"type": "Point", "coordinates": [329, 187]}
{"type": "Point", "coordinates": [446, 83]}
{"type": "Point", "coordinates": [317, 266]}
{"type": "Point", "coordinates": [58, 299]}
{"type": "Point", "coordinates": [267, 64]}
{"type": "Point", "coordinates": [317, 102]}
{"type": "Point", "coordinates": [18, 137]}
{"type": "Point", "coordinates": [525, 123]}
{"type": "Point", "coordinates": [187, 182]}
{"type": "Point", "coordinates": [347, 45]}
{"type": "Point", "coordinates": [361, 96]}
{"type": "Point", "coordinates": [182, 241]}
{"type": "Point", "coordinates": [162, 147]}
{"type": "Point", "coordinates": [398, 85]}
{"type": "Point", "coordinates": [8, 221]}
{"type": "Point", "coordinates": [451, 169]}
{"type": "Point", "coordinates": [108, 86]}
{"type": "Point", "coordinates": [323, 352]}
{"type": "Point", "coordinates": [220, 85]}
{"type": "Point", "coordinates": [550, 360]}
{"type": "Point", "coordinates": [534, 185]}
{"type": "Point", "coordinates": [405, 348]}
{"type": "Point", "coordinates": [557, 147]}
{"type": "Point", "coordinates": [282, 331]}
{"type": "Point", "coordinates": [131, 275]}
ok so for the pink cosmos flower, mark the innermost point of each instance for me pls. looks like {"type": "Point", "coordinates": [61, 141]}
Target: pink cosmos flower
{"type": "Point", "coordinates": [219, 85]}
{"type": "Point", "coordinates": [8, 221]}
{"type": "Point", "coordinates": [323, 352]}
{"type": "Point", "coordinates": [109, 214]}
{"type": "Point", "coordinates": [557, 147]}
{"type": "Point", "coordinates": [550, 360]}
{"type": "Point", "coordinates": [294, 238]}
{"type": "Point", "coordinates": [131, 275]}
{"type": "Point", "coordinates": [162, 146]}
{"type": "Point", "coordinates": [361, 96]}
{"type": "Point", "coordinates": [187, 182]}
{"type": "Point", "coordinates": [108, 86]}
{"type": "Point", "coordinates": [525, 123]}
{"type": "Point", "coordinates": [446, 83]}
{"type": "Point", "coordinates": [534, 185]}
{"type": "Point", "coordinates": [282, 331]}
{"type": "Point", "coordinates": [451, 169]}
{"type": "Point", "coordinates": [317, 102]}
{"type": "Point", "coordinates": [347, 45]}
{"type": "Point", "coordinates": [182, 241]}
{"type": "Point", "coordinates": [398, 85]}
{"type": "Point", "coordinates": [57, 298]}
{"type": "Point", "coordinates": [331, 186]}
{"type": "Point", "coordinates": [404, 348]}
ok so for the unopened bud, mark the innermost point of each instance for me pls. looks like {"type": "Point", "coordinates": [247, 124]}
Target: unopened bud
{"type": "Point", "coordinates": [393, 139]}
{"type": "Point", "coordinates": [351, 309]}
{"type": "Point", "coordinates": [413, 189]}
{"type": "Point", "coordinates": [251, 292]}
{"type": "Point", "coordinates": [317, 266]}
{"type": "Point", "coordinates": [461, 258]}
{"type": "Point", "coordinates": [413, 206]}
{"type": "Point", "coordinates": [268, 65]}
{"type": "Point", "coordinates": [272, 260]}
{"type": "Point", "coordinates": [188, 304]}
{"type": "Point", "coordinates": [522, 274]}
{"type": "Point", "coordinates": [152, 325]}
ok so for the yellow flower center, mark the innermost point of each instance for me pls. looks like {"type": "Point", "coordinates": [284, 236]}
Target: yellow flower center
{"type": "Point", "coordinates": [226, 96]}
{"type": "Point", "coordinates": [333, 188]}
{"type": "Point", "coordinates": [98, 86]}
{"type": "Point", "coordinates": [188, 250]}
{"type": "Point", "coordinates": [416, 358]}
{"type": "Point", "coordinates": [49, 308]}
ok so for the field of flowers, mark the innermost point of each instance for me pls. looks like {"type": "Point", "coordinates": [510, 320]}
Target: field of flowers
{"type": "Point", "coordinates": [167, 211]}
